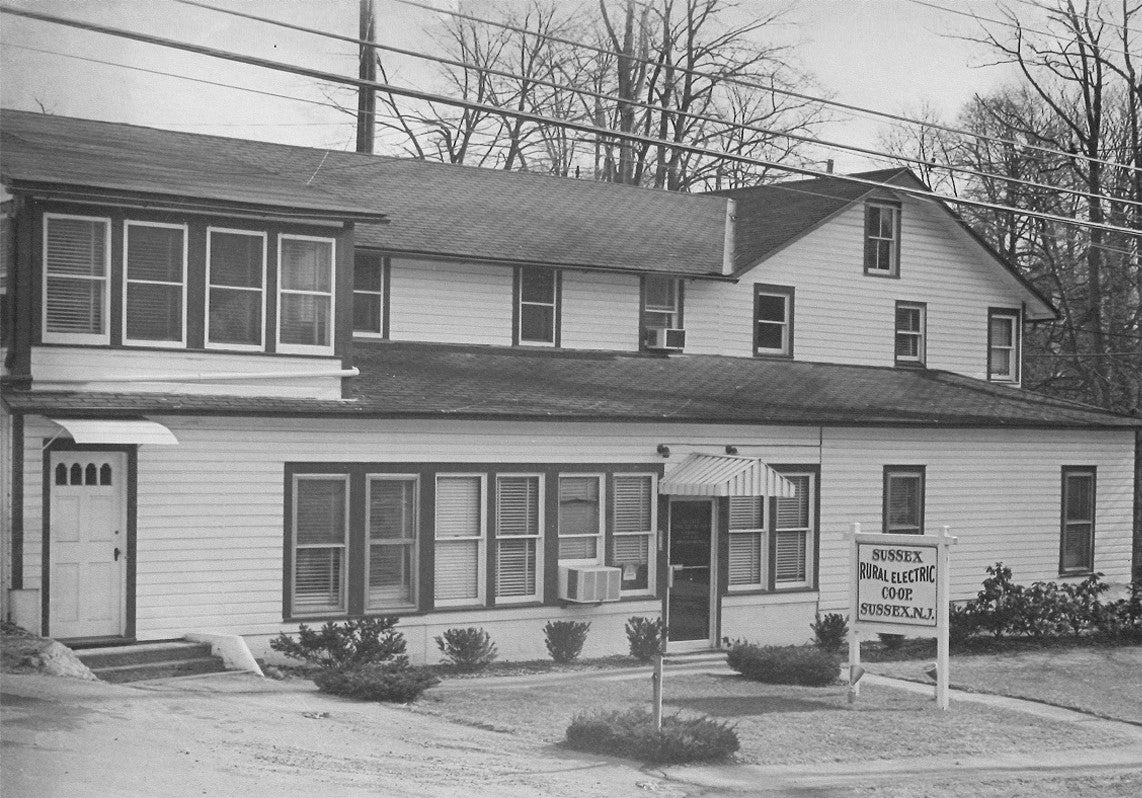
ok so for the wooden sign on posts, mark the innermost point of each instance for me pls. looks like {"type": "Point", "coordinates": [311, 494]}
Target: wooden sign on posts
{"type": "Point", "coordinates": [899, 585]}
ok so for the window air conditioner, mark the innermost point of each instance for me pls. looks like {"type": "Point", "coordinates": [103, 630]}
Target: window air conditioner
{"type": "Point", "coordinates": [666, 338]}
{"type": "Point", "coordinates": [590, 584]}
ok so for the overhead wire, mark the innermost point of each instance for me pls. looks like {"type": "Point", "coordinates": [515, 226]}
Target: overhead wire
{"type": "Point", "coordinates": [538, 118]}
{"type": "Point", "coordinates": [735, 126]}
{"type": "Point", "coordinates": [755, 85]}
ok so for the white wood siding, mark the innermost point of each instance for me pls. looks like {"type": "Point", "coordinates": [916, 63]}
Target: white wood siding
{"type": "Point", "coordinates": [51, 365]}
{"type": "Point", "coordinates": [844, 316]}
{"type": "Point", "coordinates": [600, 311]}
{"type": "Point", "coordinates": [447, 301]}
{"type": "Point", "coordinates": [210, 510]}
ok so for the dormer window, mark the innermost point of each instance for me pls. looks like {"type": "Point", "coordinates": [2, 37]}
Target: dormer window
{"type": "Point", "coordinates": [537, 306]}
{"type": "Point", "coordinates": [370, 294]}
{"type": "Point", "coordinates": [661, 307]}
{"type": "Point", "coordinates": [77, 295]}
{"type": "Point", "coordinates": [305, 311]}
{"type": "Point", "coordinates": [154, 300]}
{"type": "Point", "coordinates": [235, 288]}
{"type": "Point", "coordinates": [882, 239]}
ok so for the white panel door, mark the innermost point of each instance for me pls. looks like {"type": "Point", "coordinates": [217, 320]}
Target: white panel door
{"type": "Point", "coordinates": [88, 544]}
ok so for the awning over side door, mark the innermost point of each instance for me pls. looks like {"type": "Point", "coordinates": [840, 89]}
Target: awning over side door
{"type": "Point", "coordinates": [725, 475]}
{"type": "Point", "coordinates": [89, 430]}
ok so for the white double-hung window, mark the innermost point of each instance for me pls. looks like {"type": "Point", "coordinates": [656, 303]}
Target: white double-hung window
{"type": "Point", "coordinates": [320, 543]}
{"type": "Point", "coordinates": [634, 526]}
{"type": "Point", "coordinates": [235, 289]}
{"type": "Point", "coordinates": [581, 518]}
{"type": "Point", "coordinates": [305, 295]}
{"type": "Point", "coordinates": [519, 538]}
{"type": "Point", "coordinates": [747, 554]}
{"type": "Point", "coordinates": [793, 536]}
{"type": "Point", "coordinates": [77, 272]}
{"type": "Point", "coordinates": [154, 278]}
{"type": "Point", "coordinates": [391, 519]}
{"type": "Point", "coordinates": [461, 531]}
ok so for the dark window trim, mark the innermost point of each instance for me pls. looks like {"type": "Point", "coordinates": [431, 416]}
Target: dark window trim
{"type": "Point", "coordinates": [1067, 471]}
{"type": "Point", "coordinates": [904, 470]}
{"type": "Point", "coordinates": [904, 362]}
{"type": "Point", "coordinates": [425, 578]}
{"type": "Point", "coordinates": [517, 280]}
{"type": "Point", "coordinates": [768, 289]}
{"type": "Point", "coordinates": [18, 501]}
{"type": "Point", "coordinates": [1012, 313]}
{"type": "Point", "coordinates": [893, 273]}
{"type": "Point", "coordinates": [131, 454]}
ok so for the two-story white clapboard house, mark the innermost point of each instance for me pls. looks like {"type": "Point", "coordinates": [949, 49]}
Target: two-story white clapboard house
{"type": "Point", "coordinates": [251, 385]}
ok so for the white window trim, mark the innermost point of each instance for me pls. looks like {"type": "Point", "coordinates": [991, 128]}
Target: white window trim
{"type": "Point", "coordinates": [261, 346]}
{"type": "Point", "coordinates": [307, 349]}
{"type": "Point", "coordinates": [127, 224]}
{"type": "Point", "coordinates": [785, 348]}
{"type": "Point", "coordinates": [601, 535]}
{"type": "Point", "coordinates": [1014, 318]}
{"type": "Point", "coordinates": [77, 338]}
{"type": "Point", "coordinates": [481, 543]}
{"type": "Point", "coordinates": [381, 295]}
{"type": "Point", "coordinates": [894, 250]}
{"type": "Point", "coordinates": [654, 540]}
{"type": "Point", "coordinates": [921, 335]}
{"type": "Point", "coordinates": [764, 547]}
{"type": "Point", "coordinates": [810, 548]}
{"type": "Point", "coordinates": [1069, 473]}
{"type": "Point", "coordinates": [553, 304]}
{"type": "Point", "coordinates": [674, 311]}
{"type": "Point", "coordinates": [294, 612]}
{"type": "Point", "coordinates": [538, 538]}
{"type": "Point", "coordinates": [414, 581]}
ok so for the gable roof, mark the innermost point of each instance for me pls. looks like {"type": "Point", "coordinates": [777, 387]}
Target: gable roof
{"type": "Point", "coordinates": [417, 380]}
{"type": "Point", "coordinates": [771, 217]}
{"type": "Point", "coordinates": [432, 209]}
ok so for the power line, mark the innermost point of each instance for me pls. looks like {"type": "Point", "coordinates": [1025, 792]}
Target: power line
{"type": "Point", "coordinates": [1056, 13]}
{"type": "Point", "coordinates": [540, 119]}
{"type": "Point", "coordinates": [754, 85]}
{"type": "Point", "coordinates": [483, 69]}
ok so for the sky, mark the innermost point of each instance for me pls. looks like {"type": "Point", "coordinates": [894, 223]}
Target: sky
{"type": "Point", "coordinates": [891, 55]}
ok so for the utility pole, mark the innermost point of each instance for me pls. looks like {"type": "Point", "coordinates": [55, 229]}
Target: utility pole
{"type": "Point", "coordinates": [366, 96]}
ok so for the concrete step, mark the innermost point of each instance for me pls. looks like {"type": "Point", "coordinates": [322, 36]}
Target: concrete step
{"type": "Point", "coordinates": [150, 661]}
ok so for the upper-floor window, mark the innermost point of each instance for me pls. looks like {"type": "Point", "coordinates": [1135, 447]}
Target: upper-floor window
{"type": "Point", "coordinates": [1003, 328]}
{"type": "Point", "coordinates": [537, 307]}
{"type": "Point", "coordinates": [904, 500]}
{"type": "Point", "coordinates": [77, 275]}
{"type": "Point", "coordinates": [305, 307]}
{"type": "Point", "coordinates": [1077, 545]}
{"type": "Point", "coordinates": [661, 306]}
{"type": "Point", "coordinates": [882, 239]}
{"type": "Point", "coordinates": [154, 295]}
{"type": "Point", "coordinates": [370, 282]}
{"type": "Point", "coordinates": [911, 331]}
{"type": "Point", "coordinates": [773, 320]}
{"type": "Point", "coordinates": [235, 288]}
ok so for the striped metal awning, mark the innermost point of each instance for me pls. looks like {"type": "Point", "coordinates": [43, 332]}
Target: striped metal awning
{"type": "Point", "coordinates": [724, 475]}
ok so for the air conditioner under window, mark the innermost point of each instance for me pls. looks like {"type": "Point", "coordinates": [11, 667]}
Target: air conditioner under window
{"type": "Point", "coordinates": [666, 338]}
{"type": "Point", "coordinates": [590, 584]}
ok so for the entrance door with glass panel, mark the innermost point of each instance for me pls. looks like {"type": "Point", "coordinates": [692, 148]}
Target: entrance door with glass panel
{"type": "Point", "coordinates": [690, 592]}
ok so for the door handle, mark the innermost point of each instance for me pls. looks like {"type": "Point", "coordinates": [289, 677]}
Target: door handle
{"type": "Point", "coordinates": [117, 553]}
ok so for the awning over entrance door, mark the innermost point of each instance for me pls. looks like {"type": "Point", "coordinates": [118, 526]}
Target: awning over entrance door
{"type": "Point", "coordinates": [725, 475]}
{"type": "Point", "coordinates": [89, 430]}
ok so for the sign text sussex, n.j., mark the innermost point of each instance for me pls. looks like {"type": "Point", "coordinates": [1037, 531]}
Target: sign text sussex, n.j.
{"type": "Point", "coordinates": [896, 584]}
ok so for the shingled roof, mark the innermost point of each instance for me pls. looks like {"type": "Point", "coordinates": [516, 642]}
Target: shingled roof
{"type": "Point", "coordinates": [472, 382]}
{"type": "Point", "coordinates": [431, 208]}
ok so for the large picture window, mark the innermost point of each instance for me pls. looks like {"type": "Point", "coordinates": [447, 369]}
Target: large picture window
{"type": "Point", "coordinates": [1077, 546]}
{"type": "Point", "coordinates": [460, 535]}
{"type": "Point", "coordinates": [154, 297]}
{"type": "Point", "coordinates": [320, 543]}
{"type": "Point", "coordinates": [235, 288]}
{"type": "Point", "coordinates": [77, 261]}
{"type": "Point", "coordinates": [904, 500]}
{"type": "Point", "coordinates": [392, 524]}
{"type": "Point", "coordinates": [519, 538]}
{"type": "Point", "coordinates": [305, 308]}
{"type": "Point", "coordinates": [537, 309]}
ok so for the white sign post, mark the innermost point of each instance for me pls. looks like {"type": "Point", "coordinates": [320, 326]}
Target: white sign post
{"type": "Point", "coordinates": [900, 585]}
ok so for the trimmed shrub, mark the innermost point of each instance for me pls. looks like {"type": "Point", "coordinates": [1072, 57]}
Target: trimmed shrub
{"type": "Point", "coordinates": [891, 642]}
{"type": "Point", "coordinates": [467, 649]}
{"type": "Point", "coordinates": [376, 682]}
{"type": "Point", "coordinates": [565, 639]}
{"type": "Point", "coordinates": [830, 631]}
{"type": "Point", "coordinates": [647, 637]}
{"type": "Point", "coordinates": [802, 665]}
{"type": "Point", "coordinates": [345, 645]}
{"type": "Point", "coordinates": [631, 733]}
